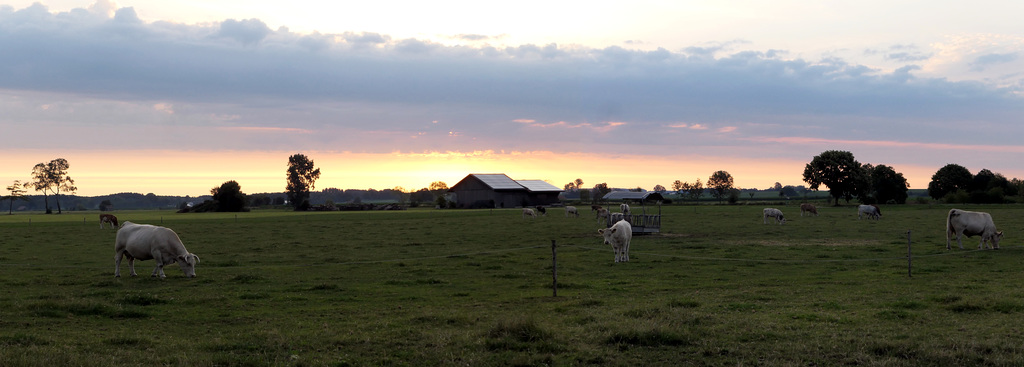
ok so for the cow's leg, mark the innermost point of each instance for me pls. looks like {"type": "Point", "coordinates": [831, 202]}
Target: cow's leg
{"type": "Point", "coordinates": [959, 239]}
{"type": "Point", "coordinates": [117, 263]}
{"type": "Point", "coordinates": [131, 265]}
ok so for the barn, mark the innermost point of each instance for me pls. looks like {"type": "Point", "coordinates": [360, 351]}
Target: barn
{"type": "Point", "coordinates": [499, 191]}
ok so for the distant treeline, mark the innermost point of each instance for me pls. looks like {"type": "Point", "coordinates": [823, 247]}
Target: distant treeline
{"type": "Point", "coordinates": [133, 201]}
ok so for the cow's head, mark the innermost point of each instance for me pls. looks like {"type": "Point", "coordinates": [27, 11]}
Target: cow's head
{"type": "Point", "coordinates": [188, 263]}
{"type": "Point", "coordinates": [995, 239]}
{"type": "Point", "coordinates": [607, 233]}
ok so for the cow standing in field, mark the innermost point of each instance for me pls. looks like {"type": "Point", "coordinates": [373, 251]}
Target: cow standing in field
{"type": "Point", "coordinates": [602, 213]}
{"type": "Point", "coordinates": [624, 208]}
{"type": "Point", "coordinates": [527, 212]}
{"type": "Point", "coordinates": [542, 211]}
{"type": "Point", "coordinates": [594, 208]}
{"type": "Point", "coordinates": [961, 223]}
{"type": "Point", "coordinates": [775, 214]}
{"type": "Point", "coordinates": [145, 242]}
{"type": "Point", "coordinates": [571, 210]}
{"type": "Point", "coordinates": [809, 209]}
{"type": "Point", "coordinates": [871, 211]}
{"type": "Point", "coordinates": [108, 218]}
{"type": "Point", "coordinates": [618, 236]}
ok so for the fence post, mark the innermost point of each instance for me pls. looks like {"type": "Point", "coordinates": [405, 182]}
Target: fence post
{"type": "Point", "coordinates": [554, 270]}
{"type": "Point", "coordinates": [909, 261]}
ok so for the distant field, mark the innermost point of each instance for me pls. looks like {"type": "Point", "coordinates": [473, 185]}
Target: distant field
{"type": "Point", "coordinates": [473, 287]}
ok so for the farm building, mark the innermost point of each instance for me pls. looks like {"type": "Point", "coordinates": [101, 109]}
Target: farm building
{"type": "Point", "coordinates": [641, 221]}
{"type": "Point", "coordinates": [500, 191]}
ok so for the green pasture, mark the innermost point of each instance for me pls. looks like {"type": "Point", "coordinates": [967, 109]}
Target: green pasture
{"type": "Point", "coordinates": [473, 287]}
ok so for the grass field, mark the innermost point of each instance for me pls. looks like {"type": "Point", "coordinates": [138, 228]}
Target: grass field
{"type": "Point", "coordinates": [465, 287]}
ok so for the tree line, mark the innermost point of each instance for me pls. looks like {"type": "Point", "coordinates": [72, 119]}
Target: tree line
{"type": "Point", "coordinates": [845, 177]}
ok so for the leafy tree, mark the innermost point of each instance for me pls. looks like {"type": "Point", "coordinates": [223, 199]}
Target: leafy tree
{"type": "Point", "coordinates": [887, 184]}
{"type": "Point", "coordinates": [678, 186]}
{"type": "Point", "coordinates": [839, 171]}
{"type": "Point", "coordinates": [17, 190]}
{"type": "Point", "coordinates": [301, 176]}
{"type": "Point", "coordinates": [53, 177]}
{"type": "Point", "coordinates": [949, 179]}
{"type": "Point", "coordinates": [777, 186]}
{"type": "Point", "coordinates": [229, 197]}
{"type": "Point", "coordinates": [720, 183]}
{"type": "Point", "coordinates": [105, 205]}
{"type": "Point", "coordinates": [788, 191]}
{"type": "Point", "coordinates": [659, 188]}
{"type": "Point", "coordinates": [600, 190]}
{"type": "Point", "coordinates": [693, 191]}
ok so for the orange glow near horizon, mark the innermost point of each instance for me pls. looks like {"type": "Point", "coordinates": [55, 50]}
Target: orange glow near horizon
{"type": "Point", "coordinates": [194, 173]}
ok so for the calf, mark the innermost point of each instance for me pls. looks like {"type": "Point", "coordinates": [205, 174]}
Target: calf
{"type": "Point", "coordinates": [602, 213]}
{"type": "Point", "coordinates": [571, 210]}
{"type": "Point", "coordinates": [108, 218]}
{"type": "Point", "coordinates": [542, 211]}
{"type": "Point", "coordinates": [594, 208]}
{"type": "Point", "coordinates": [809, 209]}
{"type": "Point", "coordinates": [774, 214]}
{"type": "Point", "coordinates": [871, 211]}
{"type": "Point", "coordinates": [618, 236]}
{"type": "Point", "coordinates": [961, 223]}
{"type": "Point", "coordinates": [529, 212]}
{"type": "Point", "coordinates": [624, 208]}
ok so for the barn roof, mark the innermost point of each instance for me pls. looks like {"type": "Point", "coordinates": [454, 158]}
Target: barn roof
{"type": "Point", "coordinates": [500, 181]}
{"type": "Point", "coordinates": [633, 195]}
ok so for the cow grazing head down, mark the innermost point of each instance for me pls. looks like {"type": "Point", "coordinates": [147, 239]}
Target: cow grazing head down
{"type": "Point", "coordinates": [188, 264]}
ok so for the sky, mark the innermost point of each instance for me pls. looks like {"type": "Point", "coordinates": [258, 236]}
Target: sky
{"type": "Point", "coordinates": [175, 98]}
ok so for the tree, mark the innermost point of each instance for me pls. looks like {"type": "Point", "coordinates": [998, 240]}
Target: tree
{"type": "Point", "coordinates": [659, 188]}
{"type": "Point", "coordinates": [600, 190]}
{"type": "Point", "coordinates": [301, 176]}
{"type": "Point", "coordinates": [777, 186]}
{"type": "Point", "coordinates": [949, 179]}
{"type": "Point", "coordinates": [678, 186]}
{"type": "Point", "coordinates": [887, 184]}
{"type": "Point", "coordinates": [839, 171]}
{"type": "Point", "coordinates": [17, 190]}
{"type": "Point", "coordinates": [693, 191]}
{"type": "Point", "coordinates": [720, 184]}
{"type": "Point", "coordinates": [229, 197]}
{"type": "Point", "coordinates": [53, 177]}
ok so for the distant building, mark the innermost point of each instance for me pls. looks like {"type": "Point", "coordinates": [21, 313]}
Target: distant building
{"type": "Point", "coordinates": [500, 191]}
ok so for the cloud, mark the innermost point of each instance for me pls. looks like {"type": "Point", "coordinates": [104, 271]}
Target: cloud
{"type": "Point", "coordinates": [982, 62]}
{"type": "Point", "coordinates": [372, 92]}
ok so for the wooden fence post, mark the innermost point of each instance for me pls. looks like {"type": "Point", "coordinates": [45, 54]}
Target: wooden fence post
{"type": "Point", "coordinates": [554, 270]}
{"type": "Point", "coordinates": [909, 261]}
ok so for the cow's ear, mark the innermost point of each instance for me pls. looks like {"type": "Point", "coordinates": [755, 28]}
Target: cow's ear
{"type": "Point", "coordinates": [601, 231]}
{"type": "Point", "coordinates": [614, 229]}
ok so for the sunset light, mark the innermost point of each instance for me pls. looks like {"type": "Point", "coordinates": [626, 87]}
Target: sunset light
{"type": "Point", "coordinates": [401, 94]}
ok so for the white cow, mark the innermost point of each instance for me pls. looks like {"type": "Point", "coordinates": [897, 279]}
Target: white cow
{"type": "Point", "coordinates": [624, 208]}
{"type": "Point", "coordinates": [529, 212]}
{"type": "Point", "coordinates": [872, 211]}
{"type": "Point", "coordinates": [809, 209]}
{"type": "Point", "coordinates": [961, 223]}
{"type": "Point", "coordinates": [618, 236]}
{"type": "Point", "coordinates": [775, 214]}
{"type": "Point", "coordinates": [571, 210]}
{"type": "Point", "coordinates": [144, 242]}
{"type": "Point", "coordinates": [602, 213]}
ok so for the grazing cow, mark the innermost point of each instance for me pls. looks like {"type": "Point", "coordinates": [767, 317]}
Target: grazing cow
{"type": "Point", "coordinates": [529, 212]}
{"type": "Point", "coordinates": [871, 211]}
{"type": "Point", "coordinates": [108, 218]}
{"type": "Point", "coordinates": [602, 213]}
{"type": "Point", "coordinates": [809, 209]}
{"type": "Point", "coordinates": [594, 208]}
{"type": "Point", "coordinates": [571, 210]}
{"type": "Point", "coordinates": [144, 242]}
{"type": "Point", "coordinates": [775, 214]}
{"type": "Point", "coordinates": [961, 223]}
{"type": "Point", "coordinates": [624, 208]}
{"type": "Point", "coordinates": [542, 211]}
{"type": "Point", "coordinates": [618, 236]}
{"type": "Point", "coordinates": [616, 217]}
